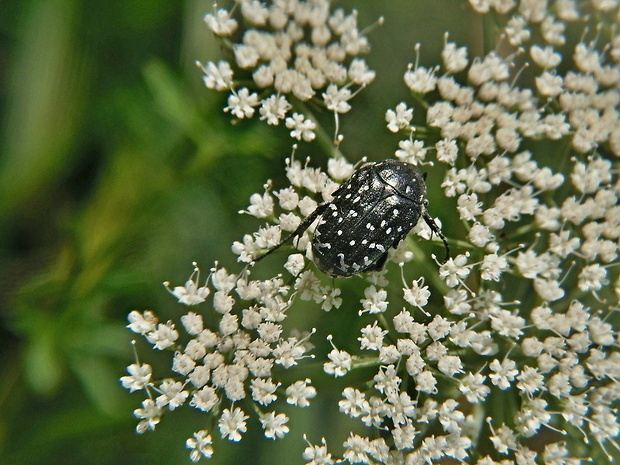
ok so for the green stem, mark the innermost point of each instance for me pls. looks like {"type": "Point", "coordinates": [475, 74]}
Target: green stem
{"type": "Point", "coordinates": [426, 269]}
{"type": "Point", "coordinates": [324, 140]}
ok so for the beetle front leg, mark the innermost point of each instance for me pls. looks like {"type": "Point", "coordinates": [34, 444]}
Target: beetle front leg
{"type": "Point", "coordinates": [434, 228]}
{"type": "Point", "coordinates": [305, 224]}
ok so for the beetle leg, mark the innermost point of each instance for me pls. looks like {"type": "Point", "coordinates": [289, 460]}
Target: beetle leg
{"type": "Point", "coordinates": [378, 264]}
{"type": "Point", "coordinates": [434, 228]}
{"type": "Point", "coordinates": [305, 224]}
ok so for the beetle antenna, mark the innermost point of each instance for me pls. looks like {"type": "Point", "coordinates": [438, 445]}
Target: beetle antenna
{"type": "Point", "coordinates": [431, 224]}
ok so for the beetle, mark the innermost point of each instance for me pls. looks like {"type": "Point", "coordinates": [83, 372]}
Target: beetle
{"type": "Point", "coordinates": [369, 213]}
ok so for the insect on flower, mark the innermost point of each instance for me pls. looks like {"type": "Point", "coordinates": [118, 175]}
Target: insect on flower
{"type": "Point", "coordinates": [369, 214]}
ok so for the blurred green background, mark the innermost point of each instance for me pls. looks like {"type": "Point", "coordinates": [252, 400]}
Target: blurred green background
{"type": "Point", "coordinates": [117, 170]}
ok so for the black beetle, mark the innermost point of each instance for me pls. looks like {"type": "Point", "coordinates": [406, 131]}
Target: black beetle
{"type": "Point", "coordinates": [369, 214]}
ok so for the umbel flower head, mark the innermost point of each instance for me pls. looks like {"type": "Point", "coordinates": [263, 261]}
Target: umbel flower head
{"type": "Point", "coordinates": [506, 353]}
{"type": "Point", "coordinates": [222, 360]}
{"type": "Point", "coordinates": [291, 50]}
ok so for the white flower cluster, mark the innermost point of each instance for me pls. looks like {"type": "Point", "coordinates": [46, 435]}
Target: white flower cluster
{"type": "Point", "coordinates": [291, 49]}
{"type": "Point", "coordinates": [509, 352]}
{"type": "Point", "coordinates": [530, 314]}
{"type": "Point", "coordinates": [222, 358]}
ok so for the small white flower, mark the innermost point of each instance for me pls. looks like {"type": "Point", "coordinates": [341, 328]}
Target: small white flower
{"type": "Point", "coordinates": [508, 324]}
{"type": "Point", "coordinates": [517, 31]}
{"type": "Point", "coordinates": [273, 109]}
{"type": "Point", "coordinates": [288, 352]}
{"type": "Point", "coordinates": [255, 12]}
{"type": "Point", "coordinates": [139, 377]}
{"type": "Point", "coordinates": [426, 382]}
{"type": "Point", "coordinates": [182, 363]}
{"type": "Point", "coordinates": [420, 79]}
{"type": "Point", "coordinates": [454, 59]}
{"type": "Point", "coordinates": [447, 151]}
{"type": "Point", "coordinates": [504, 439]}
{"type": "Point", "coordinates": [163, 337]}
{"type": "Point", "coordinates": [295, 264]}
{"type": "Point", "coordinates": [410, 151]}
{"type": "Point", "coordinates": [301, 128]}
{"type": "Point", "coordinates": [340, 363]}
{"type": "Point", "coordinates": [142, 323]}
{"type": "Point", "coordinates": [329, 298]}
{"type": "Point", "coordinates": [232, 424]}
{"type": "Point", "coordinates": [454, 270]}
{"type": "Point", "coordinates": [274, 425]}
{"type": "Point", "coordinates": [263, 391]}
{"type": "Point", "coordinates": [492, 266]}
{"type": "Point", "coordinates": [553, 31]}
{"type": "Point", "coordinates": [337, 99]}
{"type": "Point", "coordinates": [439, 327]}
{"type": "Point", "coordinates": [375, 301]}
{"type": "Point", "coordinates": [192, 322]}
{"type": "Point", "coordinates": [372, 337]}
{"type": "Point", "coordinates": [530, 380]}
{"type": "Point", "coordinates": [299, 392]}
{"type": "Point", "coordinates": [473, 388]}
{"type": "Point", "coordinates": [200, 445]}
{"type": "Point", "coordinates": [190, 294]}
{"type": "Point", "coordinates": [450, 365]}
{"type": "Point", "coordinates": [246, 56]}
{"type": "Point", "coordinates": [241, 104]}
{"type": "Point", "coordinates": [404, 436]}
{"type": "Point", "coordinates": [199, 376]}
{"type": "Point", "coordinates": [592, 278]}
{"type": "Point", "coordinates": [261, 206]}
{"type": "Point", "coordinates": [400, 118]}
{"type": "Point", "coordinates": [359, 73]}
{"type": "Point", "coordinates": [149, 415]}
{"type": "Point", "coordinates": [172, 394]}
{"type": "Point", "coordinates": [268, 237]}
{"type": "Point", "coordinates": [217, 76]}
{"type": "Point", "coordinates": [220, 22]}
{"type": "Point", "coordinates": [545, 57]}
{"type": "Point", "coordinates": [204, 399]}
{"type": "Point", "coordinates": [339, 168]}
{"type": "Point", "coordinates": [418, 294]}
{"type": "Point", "coordinates": [318, 455]}
{"type": "Point", "coordinates": [549, 85]}
{"type": "Point", "coordinates": [548, 289]}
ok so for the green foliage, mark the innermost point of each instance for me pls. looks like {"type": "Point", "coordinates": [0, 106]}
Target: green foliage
{"type": "Point", "coordinates": [107, 177]}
